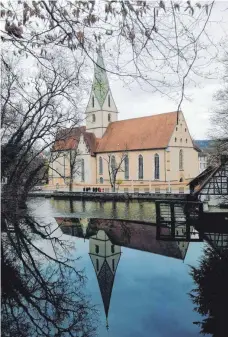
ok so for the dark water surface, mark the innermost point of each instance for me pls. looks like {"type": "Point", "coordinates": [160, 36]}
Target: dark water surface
{"type": "Point", "coordinates": [140, 285]}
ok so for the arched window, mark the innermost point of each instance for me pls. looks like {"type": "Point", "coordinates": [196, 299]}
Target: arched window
{"type": "Point", "coordinates": [100, 165]}
{"type": "Point", "coordinates": [181, 160]}
{"type": "Point", "coordinates": [109, 101]}
{"type": "Point", "coordinates": [113, 265]}
{"type": "Point", "coordinates": [83, 169]}
{"type": "Point", "coordinates": [109, 117]}
{"type": "Point", "coordinates": [156, 167]}
{"type": "Point", "coordinates": [140, 166]}
{"type": "Point", "coordinates": [101, 180]}
{"type": "Point", "coordinates": [113, 165]}
{"type": "Point", "coordinates": [126, 168]}
{"type": "Point", "coordinates": [93, 101]}
{"type": "Point", "coordinates": [93, 118]}
{"type": "Point", "coordinates": [97, 264]}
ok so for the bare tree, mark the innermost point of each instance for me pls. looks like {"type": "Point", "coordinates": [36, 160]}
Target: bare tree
{"type": "Point", "coordinates": [42, 293]}
{"type": "Point", "coordinates": [115, 165]}
{"type": "Point", "coordinates": [219, 117]}
{"type": "Point", "coordinates": [151, 38]}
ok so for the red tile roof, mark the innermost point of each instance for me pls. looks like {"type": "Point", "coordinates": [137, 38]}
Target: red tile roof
{"type": "Point", "coordinates": [152, 132]}
{"type": "Point", "coordinates": [68, 139]}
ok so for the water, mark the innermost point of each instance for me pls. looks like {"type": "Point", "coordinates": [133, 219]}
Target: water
{"type": "Point", "coordinates": [147, 291]}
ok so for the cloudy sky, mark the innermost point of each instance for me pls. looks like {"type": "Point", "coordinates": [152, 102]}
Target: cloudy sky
{"type": "Point", "coordinates": [134, 102]}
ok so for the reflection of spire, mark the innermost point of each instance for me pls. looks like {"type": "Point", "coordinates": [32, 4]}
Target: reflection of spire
{"type": "Point", "coordinates": [105, 258]}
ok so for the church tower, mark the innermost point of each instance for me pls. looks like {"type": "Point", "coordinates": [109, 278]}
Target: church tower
{"type": "Point", "coordinates": [105, 258]}
{"type": "Point", "coordinates": [101, 108]}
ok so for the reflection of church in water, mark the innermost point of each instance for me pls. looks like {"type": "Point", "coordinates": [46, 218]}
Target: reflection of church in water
{"type": "Point", "coordinates": [105, 258]}
{"type": "Point", "coordinates": [105, 240]}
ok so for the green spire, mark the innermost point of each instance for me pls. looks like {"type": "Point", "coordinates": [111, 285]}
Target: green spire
{"type": "Point", "coordinates": [100, 81]}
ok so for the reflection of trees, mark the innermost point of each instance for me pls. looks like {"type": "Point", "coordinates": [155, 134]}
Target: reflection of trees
{"type": "Point", "coordinates": [42, 293]}
{"type": "Point", "coordinates": [211, 293]}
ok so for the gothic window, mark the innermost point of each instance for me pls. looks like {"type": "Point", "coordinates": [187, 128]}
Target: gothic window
{"type": "Point", "coordinates": [109, 101]}
{"type": "Point", "coordinates": [126, 168]}
{"type": "Point", "coordinates": [181, 160]}
{"type": "Point", "coordinates": [101, 180]}
{"type": "Point", "coordinates": [112, 249]}
{"type": "Point", "coordinates": [113, 265]}
{"type": "Point", "coordinates": [156, 167]}
{"type": "Point", "coordinates": [100, 165]}
{"type": "Point", "coordinates": [109, 117]}
{"type": "Point", "coordinates": [113, 165]}
{"type": "Point", "coordinates": [96, 249]}
{"type": "Point", "coordinates": [97, 264]}
{"type": "Point", "coordinates": [93, 101]}
{"type": "Point", "coordinates": [93, 118]}
{"type": "Point", "coordinates": [140, 166]}
{"type": "Point", "coordinates": [83, 169]}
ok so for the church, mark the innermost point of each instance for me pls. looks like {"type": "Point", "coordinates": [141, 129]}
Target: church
{"type": "Point", "coordinates": [153, 154]}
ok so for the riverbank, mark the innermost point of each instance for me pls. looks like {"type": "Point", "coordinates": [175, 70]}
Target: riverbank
{"type": "Point", "coordinates": [110, 196]}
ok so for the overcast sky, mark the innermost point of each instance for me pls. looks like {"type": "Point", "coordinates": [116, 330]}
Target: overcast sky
{"type": "Point", "coordinates": [134, 102]}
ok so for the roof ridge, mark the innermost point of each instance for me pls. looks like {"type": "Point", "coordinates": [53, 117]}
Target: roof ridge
{"type": "Point", "coordinates": [129, 119]}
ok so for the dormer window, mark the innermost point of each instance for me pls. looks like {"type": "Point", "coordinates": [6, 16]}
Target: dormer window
{"type": "Point", "coordinates": [93, 101]}
{"type": "Point", "coordinates": [109, 101]}
{"type": "Point", "coordinates": [109, 117]}
{"type": "Point", "coordinates": [93, 118]}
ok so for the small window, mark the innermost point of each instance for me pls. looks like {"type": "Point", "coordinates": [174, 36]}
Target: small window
{"type": "Point", "coordinates": [176, 128]}
{"type": "Point", "coordinates": [185, 129]}
{"type": "Point", "coordinates": [181, 140]}
{"type": "Point", "coordinates": [181, 180]}
{"type": "Point", "coordinates": [109, 117]}
{"type": "Point", "coordinates": [97, 264]}
{"type": "Point", "coordinates": [93, 118]}
{"type": "Point", "coordinates": [101, 180]}
{"type": "Point", "coordinates": [175, 139]}
{"type": "Point", "coordinates": [186, 140]}
{"type": "Point", "coordinates": [93, 101]}
{"type": "Point", "coordinates": [112, 249]}
{"type": "Point", "coordinates": [109, 101]}
{"type": "Point", "coordinates": [96, 249]}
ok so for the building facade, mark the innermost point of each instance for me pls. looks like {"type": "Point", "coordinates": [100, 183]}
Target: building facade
{"type": "Point", "coordinates": [147, 154]}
